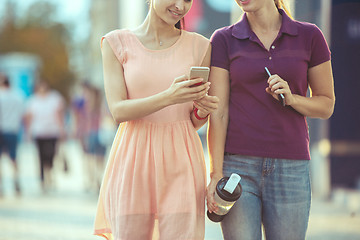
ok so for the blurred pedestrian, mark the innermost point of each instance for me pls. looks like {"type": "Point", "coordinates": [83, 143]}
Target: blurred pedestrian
{"type": "Point", "coordinates": [94, 147]}
{"type": "Point", "coordinates": [45, 124]}
{"type": "Point", "coordinates": [80, 111]}
{"type": "Point", "coordinates": [11, 120]}
{"type": "Point", "coordinates": [88, 113]}
{"type": "Point", "coordinates": [156, 168]}
{"type": "Point", "coordinates": [252, 133]}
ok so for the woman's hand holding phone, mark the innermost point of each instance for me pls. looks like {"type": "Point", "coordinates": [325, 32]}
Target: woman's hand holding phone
{"type": "Point", "coordinates": [182, 90]}
{"type": "Point", "coordinates": [199, 72]}
{"type": "Point", "coordinates": [207, 104]}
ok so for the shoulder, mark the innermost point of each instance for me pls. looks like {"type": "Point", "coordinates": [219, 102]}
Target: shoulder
{"type": "Point", "coordinates": [117, 33]}
{"type": "Point", "coordinates": [196, 40]}
{"type": "Point", "coordinates": [224, 31]}
{"type": "Point", "coordinates": [308, 29]}
{"type": "Point", "coordinates": [196, 36]}
{"type": "Point", "coordinates": [118, 41]}
{"type": "Point", "coordinates": [118, 36]}
{"type": "Point", "coordinates": [221, 34]}
{"type": "Point", "coordinates": [221, 38]}
{"type": "Point", "coordinates": [227, 30]}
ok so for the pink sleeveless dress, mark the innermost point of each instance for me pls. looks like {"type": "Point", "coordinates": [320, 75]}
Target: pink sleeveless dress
{"type": "Point", "coordinates": [156, 169]}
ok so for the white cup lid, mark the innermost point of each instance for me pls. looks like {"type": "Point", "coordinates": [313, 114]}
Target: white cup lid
{"type": "Point", "coordinates": [232, 183]}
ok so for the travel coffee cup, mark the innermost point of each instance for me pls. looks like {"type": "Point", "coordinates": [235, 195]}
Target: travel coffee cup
{"type": "Point", "coordinates": [228, 190]}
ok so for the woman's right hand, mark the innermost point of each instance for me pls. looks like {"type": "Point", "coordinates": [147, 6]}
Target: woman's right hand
{"type": "Point", "coordinates": [184, 90]}
{"type": "Point", "coordinates": [210, 193]}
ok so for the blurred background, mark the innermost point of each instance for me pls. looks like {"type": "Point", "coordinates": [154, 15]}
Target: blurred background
{"type": "Point", "coordinates": [51, 48]}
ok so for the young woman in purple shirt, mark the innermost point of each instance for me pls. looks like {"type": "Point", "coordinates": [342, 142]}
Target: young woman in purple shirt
{"type": "Point", "coordinates": [252, 133]}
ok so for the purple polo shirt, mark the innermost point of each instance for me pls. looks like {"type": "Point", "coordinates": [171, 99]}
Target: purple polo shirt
{"type": "Point", "coordinates": [258, 124]}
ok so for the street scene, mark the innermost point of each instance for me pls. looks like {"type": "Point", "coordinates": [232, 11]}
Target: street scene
{"type": "Point", "coordinates": [284, 78]}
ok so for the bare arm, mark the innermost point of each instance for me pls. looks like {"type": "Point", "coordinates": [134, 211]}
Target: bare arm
{"type": "Point", "coordinates": [124, 109]}
{"type": "Point", "coordinates": [220, 87]}
{"type": "Point", "coordinates": [322, 100]}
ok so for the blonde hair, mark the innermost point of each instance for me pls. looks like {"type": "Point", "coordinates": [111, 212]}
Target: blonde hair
{"type": "Point", "coordinates": [281, 5]}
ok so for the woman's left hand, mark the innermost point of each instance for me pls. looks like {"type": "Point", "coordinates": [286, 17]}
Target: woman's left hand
{"type": "Point", "coordinates": [277, 86]}
{"type": "Point", "coordinates": [206, 105]}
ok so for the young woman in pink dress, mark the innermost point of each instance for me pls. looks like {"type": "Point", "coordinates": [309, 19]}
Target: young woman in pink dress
{"type": "Point", "coordinates": [156, 170]}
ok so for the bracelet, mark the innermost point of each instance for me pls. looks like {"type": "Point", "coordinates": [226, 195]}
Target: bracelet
{"type": "Point", "coordinates": [197, 116]}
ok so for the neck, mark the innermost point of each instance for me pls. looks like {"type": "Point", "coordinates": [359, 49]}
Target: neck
{"type": "Point", "coordinates": [156, 29]}
{"type": "Point", "coordinates": [265, 19]}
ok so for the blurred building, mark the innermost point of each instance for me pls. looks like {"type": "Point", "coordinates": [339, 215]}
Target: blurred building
{"type": "Point", "coordinates": [22, 70]}
{"type": "Point", "coordinates": [104, 17]}
{"type": "Point", "coordinates": [319, 13]}
{"type": "Point", "coordinates": [345, 123]}
{"type": "Point", "coordinates": [335, 143]}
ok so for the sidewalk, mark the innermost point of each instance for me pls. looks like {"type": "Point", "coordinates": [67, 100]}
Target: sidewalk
{"type": "Point", "coordinates": [67, 213]}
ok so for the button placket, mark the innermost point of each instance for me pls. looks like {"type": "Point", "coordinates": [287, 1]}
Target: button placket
{"type": "Point", "coordinates": [270, 52]}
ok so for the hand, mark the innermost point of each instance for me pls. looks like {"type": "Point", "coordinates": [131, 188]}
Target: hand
{"type": "Point", "coordinates": [210, 193]}
{"type": "Point", "coordinates": [183, 90]}
{"type": "Point", "coordinates": [206, 105]}
{"type": "Point", "coordinates": [278, 85]}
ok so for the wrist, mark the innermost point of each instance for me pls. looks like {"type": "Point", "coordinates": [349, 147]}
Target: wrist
{"type": "Point", "coordinates": [216, 176]}
{"type": "Point", "coordinates": [199, 115]}
{"type": "Point", "coordinates": [291, 100]}
{"type": "Point", "coordinates": [166, 98]}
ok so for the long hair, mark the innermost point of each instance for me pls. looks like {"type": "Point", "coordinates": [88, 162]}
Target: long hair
{"type": "Point", "coordinates": [281, 5]}
{"type": "Point", "coordinates": [180, 24]}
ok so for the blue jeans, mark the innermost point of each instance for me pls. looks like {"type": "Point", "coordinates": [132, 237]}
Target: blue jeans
{"type": "Point", "coordinates": [9, 142]}
{"type": "Point", "coordinates": [276, 194]}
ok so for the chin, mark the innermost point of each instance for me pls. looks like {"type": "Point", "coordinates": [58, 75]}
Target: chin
{"type": "Point", "coordinates": [246, 5]}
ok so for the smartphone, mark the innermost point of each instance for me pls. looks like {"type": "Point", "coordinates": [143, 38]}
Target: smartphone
{"type": "Point", "coordinates": [200, 72]}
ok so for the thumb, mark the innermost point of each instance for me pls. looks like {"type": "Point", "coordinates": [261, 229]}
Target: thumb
{"type": "Point", "coordinates": [268, 90]}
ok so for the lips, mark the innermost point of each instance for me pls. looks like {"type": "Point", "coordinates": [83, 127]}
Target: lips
{"type": "Point", "coordinates": [244, 2]}
{"type": "Point", "coordinates": [175, 13]}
